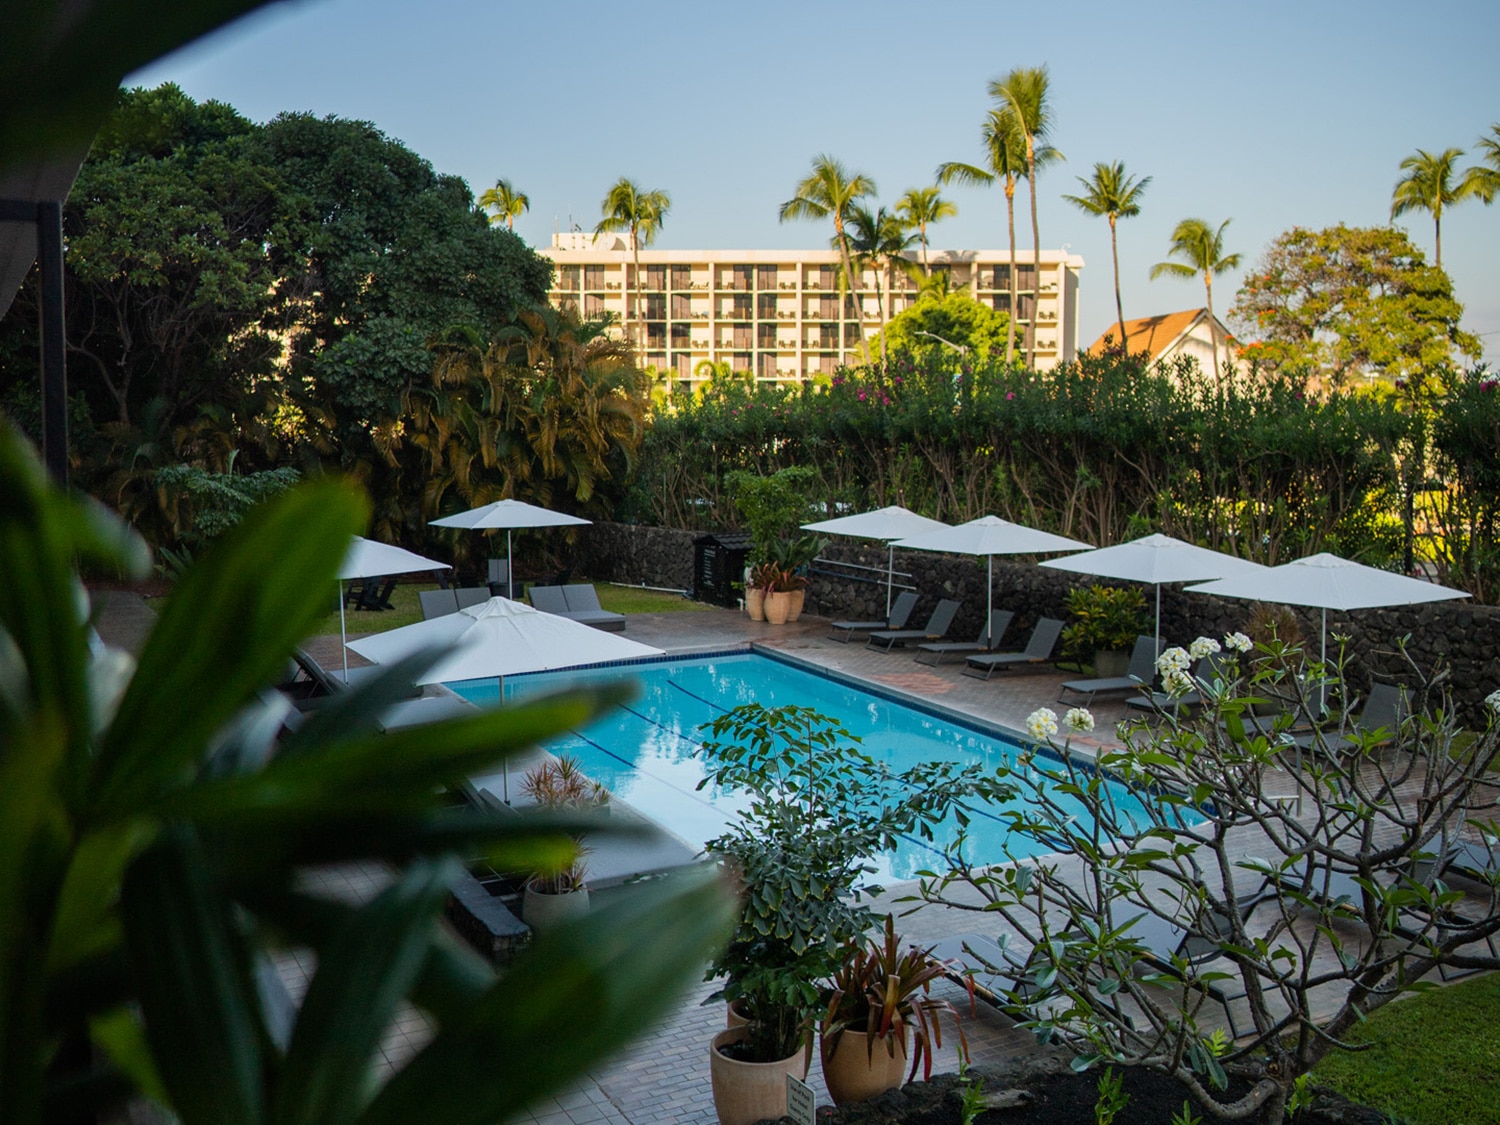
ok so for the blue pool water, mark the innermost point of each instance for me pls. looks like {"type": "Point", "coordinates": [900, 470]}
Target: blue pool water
{"type": "Point", "coordinates": [647, 751]}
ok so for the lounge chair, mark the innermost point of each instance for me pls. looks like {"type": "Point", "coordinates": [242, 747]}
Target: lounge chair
{"type": "Point", "coordinates": [370, 593]}
{"type": "Point", "coordinates": [577, 603]}
{"type": "Point", "coordinates": [471, 595]}
{"type": "Point", "coordinates": [995, 974]}
{"type": "Point", "coordinates": [1038, 650]}
{"type": "Point", "coordinates": [307, 680]}
{"type": "Point", "coordinates": [1206, 670]}
{"type": "Point", "coordinates": [499, 578]}
{"type": "Point", "coordinates": [989, 637]}
{"type": "Point", "coordinates": [1377, 722]}
{"type": "Point", "coordinates": [583, 606]}
{"type": "Point", "coordinates": [440, 603]}
{"type": "Point", "coordinates": [935, 629]}
{"type": "Point", "coordinates": [906, 601]}
{"type": "Point", "coordinates": [1140, 673]}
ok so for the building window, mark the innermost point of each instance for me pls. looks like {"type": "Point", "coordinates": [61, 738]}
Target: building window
{"type": "Point", "coordinates": [828, 307]}
{"type": "Point", "coordinates": [682, 306]}
{"type": "Point", "coordinates": [765, 335]}
{"type": "Point", "coordinates": [567, 279]}
{"type": "Point", "coordinates": [828, 335]}
{"type": "Point", "coordinates": [656, 359]}
{"type": "Point", "coordinates": [681, 335]}
{"type": "Point", "coordinates": [765, 365]}
{"type": "Point", "coordinates": [742, 338]}
{"type": "Point", "coordinates": [741, 308]}
{"type": "Point", "coordinates": [656, 277]}
{"type": "Point", "coordinates": [765, 277]}
{"type": "Point", "coordinates": [593, 305]}
{"type": "Point", "coordinates": [825, 277]}
{"type": "Point", "coordinates": [683, 363]}
{"type": "Point", "coordinates": [740, 361]}
{"type": "Point", "coordinates": [853, 337]}
{"type": "Point", "coordinates": [1025, 278]}
{"type": "Point", "coordinates": [656, 306]}
{"type": "Point", "coordinates": [682, 277]}
{"type": "Point", "coordinates": [741, 276]}
{"type": "Point", "coordinates": [765, 306]}
{"type": "Point", "coordinates": [593, 277]}
{"type": "Point", "coordinates": [656, 336]}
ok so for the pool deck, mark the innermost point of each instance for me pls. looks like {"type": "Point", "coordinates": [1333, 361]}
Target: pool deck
{"type": "Point", "coordinates": [662, 1079]}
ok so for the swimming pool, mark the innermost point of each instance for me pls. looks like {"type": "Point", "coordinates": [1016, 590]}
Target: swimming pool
{"type": "Point", "coordinates": [646, 751]}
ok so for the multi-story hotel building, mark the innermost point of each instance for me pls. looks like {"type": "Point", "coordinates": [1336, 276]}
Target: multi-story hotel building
{"type": "Point", "coordinates": [778, 313]}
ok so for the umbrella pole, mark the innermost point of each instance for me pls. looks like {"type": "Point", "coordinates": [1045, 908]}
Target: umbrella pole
{"type": "Point", "coordinates": [890, 577]}
{"type": "Point", "coordinates": [1323, 660]}
{"type": "Point", "coordinates": [989, 590]}
{"type": "Point", "coordinates": [510, 576]}
{"type": "Point", "coordinates": [1158, 618]}
{"type": "Point", "coordinates": [505, 762]}
{"type": "Point", "coordinates": [343, 632]}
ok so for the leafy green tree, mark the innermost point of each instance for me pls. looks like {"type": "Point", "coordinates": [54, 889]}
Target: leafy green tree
{"type": "Point", "coordinates": [507, 202]}
{"type": "Point", "coordinates": [1113, 194]}
{"type": "Point", "coordinates": [156, 854]}
{"type": "Point", "coordinates": [1336, 302]}
{"type": "Point", "coordinates": [829, 191]}
{"type": "Point", "coordinates": [1005, 164]}
{"type": "Point", "coordinates": [641, 214]}
{"type": "Point", "coordinates": [948, 323]}
{"type": "Point", "coordinates": [1428, 185]}
{"type": "Point", "coordinates": [1201, 249]}
{"type": "Point", "coordinates": [921, 207]}
{"type": "Point", "coordinates": [1022, 96]}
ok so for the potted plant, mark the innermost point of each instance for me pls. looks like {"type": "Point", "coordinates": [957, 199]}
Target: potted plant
{"type": "Point", "coordinates": [554, 896]}
{"type": "Point", "coordinates": [819, 809]}
{"type": "Point", "coordinates": [879, 1012]}
{"type": "Point", "coordinates": [795, 556]}
{"type": "Point", "coordinates": [755, 590]}
{"type": "Point", "coordinates": [1106, 622]}
{"type": "Point", "coordinates": [778, 605]}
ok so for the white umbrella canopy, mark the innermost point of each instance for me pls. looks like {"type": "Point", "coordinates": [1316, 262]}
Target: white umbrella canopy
{"type": "Point", "coordinates": [1156, 559]}
{"type": "Point", "coordinates": [367, 558]}
{"type": "Point", "coordinates": [990, 536]}
{"type": "Point", "coordinates": [1328, 582]}
{"type": "Point", "coordinates": [500, 638]}
{"type": "Point", "coordinates": [893, 522]}
{"type": "Point", "coordinates": [509, 514]}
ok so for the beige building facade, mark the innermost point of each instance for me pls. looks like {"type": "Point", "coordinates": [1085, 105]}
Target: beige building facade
{"type": "Point", "coordinates": [779, 313]}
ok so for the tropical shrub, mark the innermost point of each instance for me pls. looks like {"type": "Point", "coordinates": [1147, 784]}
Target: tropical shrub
{"type": "Point", "coordinates": [1105, 619]}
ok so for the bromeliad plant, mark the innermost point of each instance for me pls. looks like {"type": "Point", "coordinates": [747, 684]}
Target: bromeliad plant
{"type": "Point", "coordinates": [561, 786]}
{"type": "Point", "coordinates": [820, 809]}
{"type": "Point", "coordinates": [882, 992]}
{"type": "Point", "coordinates": [155, 836]}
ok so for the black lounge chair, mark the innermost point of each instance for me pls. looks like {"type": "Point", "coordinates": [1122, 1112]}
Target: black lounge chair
{"type": "Point", "coordinates": [989, 637]}
{"type": "Point", "coordinates": [1140, 673]}
{"type": "Point", "coordinates": [370, 593]}
{"type": "Point", "coordinates": [577, 603]}
{"type": "Point", "coordinates": [1038, 650]}
{"type": "Point", "coordinates": [906, 601]}
{"type": "Point", "coordinates": [935, 629]}
{"type": "Point", "coordinates": [1377, 722]}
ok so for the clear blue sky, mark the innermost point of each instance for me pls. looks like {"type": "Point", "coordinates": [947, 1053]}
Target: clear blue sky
{"type": "Point", "coordinates": [1273, 114]}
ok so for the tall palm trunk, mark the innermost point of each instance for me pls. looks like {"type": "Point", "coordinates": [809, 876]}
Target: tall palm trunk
{"type": "Point", "coordinates": [1114, 251]}
{"type": "Point", "coordinates": [1213, 324]}
{"type": "Point", "coordinates": [635, 294]}
{"type": "Point", "coordinates": [1036, 255]}
{"type": "Point", "coordinates": [1437, 236]}
{"type": "Point", "coordinates": [1010, 219]}
{"type": "Point", "coordinates": [849, 280]}
{"type": "Point", "coordinates": [926, 272]}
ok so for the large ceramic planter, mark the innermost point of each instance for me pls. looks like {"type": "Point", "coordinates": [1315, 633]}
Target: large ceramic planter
{"type": "Point", "coordinates": [778, 606]}
{"type": "Point", "coordinates": [799, 597]}
{"type": "Point", "coordinates": [543, 912]}
{"type": "Point", "coordinates": [746, 1092]}
{"type": "Point", "coordinates": [1108, 665]}
{"type": "Point", "coordinates": [755, 600]}
{"type": "Point", "coordinates": [734, 1015]}
{"type": "Point", "coordinates": [855, 1073]}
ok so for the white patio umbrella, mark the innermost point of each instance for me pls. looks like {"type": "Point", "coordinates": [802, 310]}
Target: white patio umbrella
{"type": "Point", "coordinates": [367, 558]}
{"type": "Point", "coordinates": [890, 523]}
{"type": "Point", "coordinates": [509, 514]}
{"type": "Point", "coordinates": [500, 638]}
{"type": "Point", "coordinates": [1328, 582]}
{"type": "Point", "coordinates": [1156, 559]}
{"type": "Point", "coordinates": [991, 536]}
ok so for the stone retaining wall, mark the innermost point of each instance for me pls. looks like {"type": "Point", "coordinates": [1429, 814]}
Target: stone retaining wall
{"type": "Point", "coordinates": [1457, 634]}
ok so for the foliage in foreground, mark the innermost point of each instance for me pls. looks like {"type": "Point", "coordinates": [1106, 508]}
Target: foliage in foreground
{"type": "Point", "coordinates": [1306, 886]}
{"type": "Point", "coordinates": [1431, 1060]}
{"type": "Point", "coordinates": [154, 834]}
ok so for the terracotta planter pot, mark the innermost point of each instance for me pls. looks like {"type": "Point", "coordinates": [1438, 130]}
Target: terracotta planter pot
{"type": "Point", "coordinates": [1110, 664]}
{"type": "Point", "coordinates": [755, 600]}
{"type": "Point", "coordinates": [543, 912]}
{"type": "Point", "coordinates": [854, 1073]}
{"type": "Point", "coordinates": [734, 1016]}
{"type": "Point", "coordinates": [746, 1092]}
{"type": "Point", "coordinates": [799, 598]}
{"type": "Point", "coordinates": [778, 606]}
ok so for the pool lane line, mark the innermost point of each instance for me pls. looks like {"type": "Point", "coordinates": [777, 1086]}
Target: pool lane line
{"type": "Point", "coordinates": [636, 769]}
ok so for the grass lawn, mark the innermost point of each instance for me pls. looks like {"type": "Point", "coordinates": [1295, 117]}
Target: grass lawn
{"type": "Point", "coordinates": [616, 599]}
{"type": "Point", "coordinates": [1435, 1058]}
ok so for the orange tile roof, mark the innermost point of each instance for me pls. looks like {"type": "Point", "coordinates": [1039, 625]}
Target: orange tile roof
{"type": "Point", "coordinates": [1149, 335]}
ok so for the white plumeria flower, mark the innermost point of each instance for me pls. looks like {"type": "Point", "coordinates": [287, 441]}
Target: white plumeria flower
{"type": "Point", "coordinates": [1176, 682]}
{"type": "Point", "coordinates": [1174, 658]}
{"type": "Point", "coordinates": [1203, 646]}
{"type": "Point", "coordinates": [1080, 719]}
{"type": "Point", "coordinates": [1042, 723]}
{"type": "Point", "coordinates": [1238, 642]}
{"type": "Point", "coordinates": [1492, 701]}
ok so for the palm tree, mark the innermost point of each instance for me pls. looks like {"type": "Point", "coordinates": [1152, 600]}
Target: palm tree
{"type": "Point", "coordinates": [1202, 250]}
{"type": "Point", "coordinates": [920, 206]}
{"type": "Point", "coordinates": [1487, 174]}
{"type": "Point", "coordinates": [1005, 156]}
{"type": "Point", "coordinates": [1113, 194]}
{"type": "Point", "coordinates": [1022, 95]}
{"type": "Point", "coordinates": [507, 202]}
{"type": "Point", "coordinates": [1428, 186]}
{"type": "Point", "coordinates": [641, 213]}
{"type": "Point", "coordinates": [880, 238]}
{"type": "Point", "coordinates": [829, 190]}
